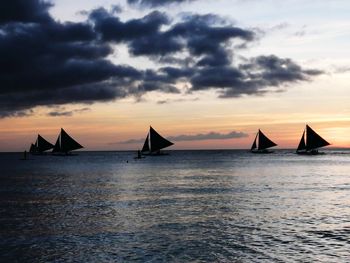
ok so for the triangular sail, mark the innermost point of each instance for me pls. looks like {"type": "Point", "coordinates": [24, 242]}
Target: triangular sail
{"type": "Point", "coordinates": [302, 145]}
{"type": "Point", "coordinates": [32, 148]}
{"type": "Point", "coordinates": [145, 147]}
{"type": "Point", "coordinates": [313, 140]}
{"type": "Point", "coordinates": [264, 142]}
{"type": "Point", "coordinates": [42, 144]}
{"type": "Point", "coordinates": [254, 143]}
{"type": "Point", "coordinates": [68, 143]}
{"type": "Point", "coordinates": [65, 143]}
{"type": "Point", "coordinates": [157, 141]}
{"type": "Point", "coordinates": [57, 147]}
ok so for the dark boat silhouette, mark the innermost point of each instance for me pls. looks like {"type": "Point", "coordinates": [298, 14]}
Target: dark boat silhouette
{"type": "Point", "coordinates": [154, 143]}
{"type": "Point", "coordinates": [65, 144]}
{"type": "Point", "coordinates": [262, 143]}
{"type": "Point", "coordinates": [310, 142]}
{"type": "Point", "coordinates": [41, 146]}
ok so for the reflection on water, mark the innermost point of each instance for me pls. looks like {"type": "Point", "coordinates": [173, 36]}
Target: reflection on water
{"type": "Point", "coordinates": [201, 206]}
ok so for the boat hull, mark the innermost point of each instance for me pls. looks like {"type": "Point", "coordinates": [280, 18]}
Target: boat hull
{"type": "Point", "coordinates": [37, 153]}
{"type": "Point", "coordinates": [261, 151]}
{"type": "Point", "coordinates": [312, 152]}
{"type": "Point", "coordinates": [155, 154]}
{"type": "Point", "coordinates": [64, 154]}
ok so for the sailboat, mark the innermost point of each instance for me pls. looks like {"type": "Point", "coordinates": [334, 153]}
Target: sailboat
{"type": "Point", "coordinates": [154, 143]}
{"type": "Point", "coordinates": [262, 143]}
{"type": "Point", "coordinates": [310, 142]}
{"type": "Point", "coordinates": [41, 145]}
{"type": "Point", "coordinates": [65, 144]}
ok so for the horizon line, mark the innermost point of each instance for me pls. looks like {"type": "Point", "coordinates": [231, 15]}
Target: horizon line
{"type": "Point", "coordinates": [218, 149]}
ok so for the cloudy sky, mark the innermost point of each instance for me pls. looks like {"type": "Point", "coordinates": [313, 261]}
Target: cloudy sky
{"type": "Point", "coordinates": [204, 73]}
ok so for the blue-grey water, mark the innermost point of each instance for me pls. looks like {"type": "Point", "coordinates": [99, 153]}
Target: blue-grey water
{"type": "Point", "coordinates": [190, 206]}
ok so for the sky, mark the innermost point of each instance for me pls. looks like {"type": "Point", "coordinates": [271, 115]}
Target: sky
{"type": "Point", "coordinates": [206, 74]}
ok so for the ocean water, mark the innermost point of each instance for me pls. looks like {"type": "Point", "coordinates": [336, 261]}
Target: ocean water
{"type": "Point", "coordinates": [190, 206]}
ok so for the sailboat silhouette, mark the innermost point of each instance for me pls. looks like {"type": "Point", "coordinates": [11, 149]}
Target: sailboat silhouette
{"type": "Point", "coordinates": [41, 146]}
{"type": "Point", "coordinates": [262, 143]}
{"type": "Point", "coordinates": [154, 143]}
{"type": "Point", "coordinates": [65, 144]}
{"type": "Point", "coordinates": [310, 142]}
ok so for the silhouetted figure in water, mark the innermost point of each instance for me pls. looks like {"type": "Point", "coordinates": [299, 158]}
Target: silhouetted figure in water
{"type": "Point", "coordinates": [139, 155]}
{"type": "Point", "coordinates": [24, 156]}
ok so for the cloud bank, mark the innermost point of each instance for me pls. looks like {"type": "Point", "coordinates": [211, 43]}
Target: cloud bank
{"type": "Point", "coordinates": [66, 113]}
{"type": "Point", "coordinates": [196, 137]}
{"type": "Point", "coordinates": [45, 62]}
{"type": "Point", "coordinates": [156, 3]}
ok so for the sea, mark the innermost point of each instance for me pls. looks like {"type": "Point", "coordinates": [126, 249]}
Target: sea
{"type": "Point", "coordinates": [189, 206]}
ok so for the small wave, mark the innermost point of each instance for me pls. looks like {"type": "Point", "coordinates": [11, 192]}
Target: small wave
{"type": "Point", "coordinates": [341, 235]}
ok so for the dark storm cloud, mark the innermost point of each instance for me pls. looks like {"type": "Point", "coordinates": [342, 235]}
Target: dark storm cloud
{"type": "Point", "coordinates": [24, 11]}
{"type": "Point", "coordinates": [85, 93]}
{"type": "Point", "coordinates": [112, 28]}
{"type": "Point", "coordinates": [218, 58]}
{"type": "Point", "coordinates": [18, 113]}
{"type": "Point", "coordinates": [197, 137]}
{"type": "Point", "coordinates": [177, 73]}
{"type": "Point", "coordinates": [143, 35]}
{"type": "Point", "coordinates": [200, 35]}
{"type": "Point", "coordinates": [155, 3]}
{"type": "Point", "coordinates": [45, 62]}
{"type": "Point", "coordinates": [60, 113]}
{"type": "Point", "coordinates": [206, 34]}
{"type": "Point", "coordinates": [258, 76]}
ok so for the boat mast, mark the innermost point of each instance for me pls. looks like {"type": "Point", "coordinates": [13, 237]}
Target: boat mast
{"type": "Point", "coordinates": [254, 142]}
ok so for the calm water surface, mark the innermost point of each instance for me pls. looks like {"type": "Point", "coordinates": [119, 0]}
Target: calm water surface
{"type": "Point", "coordinates": [190, 206]}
